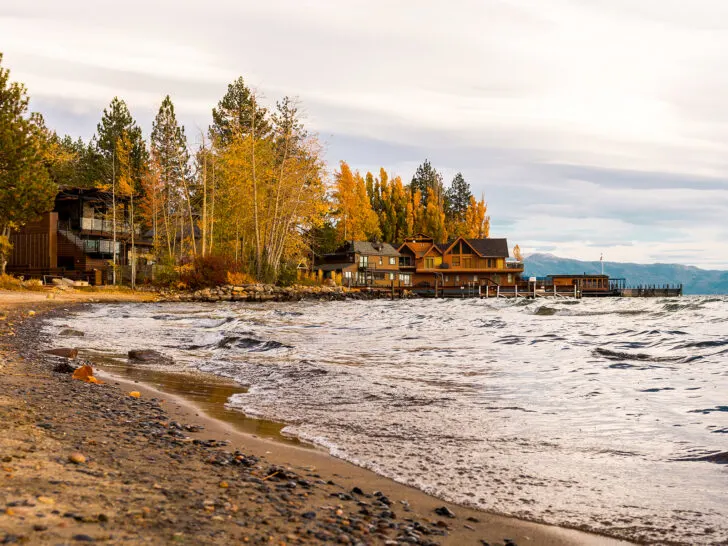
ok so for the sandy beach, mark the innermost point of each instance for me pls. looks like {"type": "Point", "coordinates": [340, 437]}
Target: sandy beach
{"type": "Point", "coordinates": [85, 462]}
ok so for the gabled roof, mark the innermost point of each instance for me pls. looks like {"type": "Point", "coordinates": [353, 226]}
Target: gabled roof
{"type": "Point", "coordinates": [490, 248]}
{"type": "Point", "coordinates": [374, 249]}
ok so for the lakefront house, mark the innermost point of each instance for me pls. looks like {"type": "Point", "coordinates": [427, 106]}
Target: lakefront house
{"type": "Point", "coordinates": [364, 264]}
{"type": "Point", "coordinates": [75, 239]}
{"type": "Point", "coordinates": [459, 264]}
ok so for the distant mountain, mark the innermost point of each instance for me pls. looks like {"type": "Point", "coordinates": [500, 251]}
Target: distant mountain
{"type": "Point", "coordinates": [693, 279]}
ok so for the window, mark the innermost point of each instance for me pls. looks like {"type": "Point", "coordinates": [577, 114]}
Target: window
{"type": "Point", "coordinates": [475, 278]}
{"type": "Point", "coordinates": [380, 260]}
{"type": "Point", "coordinates": [447, 278]}
{"type": "Point", "coordinates": [429, 263]}
{"type": "Point", "coordinates": [456, 261]}
{"type": "Point", "coordinates": [347, 274]}
{"type": "Point", "coordinates": [467, 262]}
{"type": "Point", "coordinates": [391, 276]}
{"type": "Point", "coordinates": [405, 278]}
{"type": "Point", "coordinates": [510, 278]}
{"type": "Point", "coordinates": [457, 278]}
{"type": "Point", "coordinates": [364, 261]}
{"type": "Point", "coordinates": [392, 261]}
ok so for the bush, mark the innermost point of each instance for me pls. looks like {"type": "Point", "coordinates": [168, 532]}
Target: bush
{"type": "Point", "coordinates": [8, 282]}
{"type": "Point", "coordinates": [33, 284]}
{"type": "Point", "coordinates": [237, 278]}
{"type": "Point", "coordinates": [205, 272]}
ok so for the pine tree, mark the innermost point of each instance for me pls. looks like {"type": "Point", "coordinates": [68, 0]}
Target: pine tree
{"type": "Point", "coordinates": [236, 113]}
{"type": "Point", "coordinates": [169, 149]}
{"type": "Point", "coordinates": [457, 199]}
{"type": "Point", "coordinates": [427, 178]}
{"type": "Point", "coordinates": [26, 187]}
{"type": "Point", "coordinates": [115, 122]}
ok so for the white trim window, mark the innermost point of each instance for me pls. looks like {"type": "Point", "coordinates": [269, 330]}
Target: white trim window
{"type": "Point", "coordinates": [392, 260]}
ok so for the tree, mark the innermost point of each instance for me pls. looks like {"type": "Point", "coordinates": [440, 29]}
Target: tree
{"type": "Point", "coordinates": [116, 121]}
{"type": "Point", "coordinates": [457, 199]}
{"type": "Point", "coordinates": [517, 253]}
{"type": "Point", "coordinates": [427, 178]}
{"type": "Point", "coordinates": [26, 188]}
{"type": "Point", "coordinates": [355, 218]}
{"type": "Point", "coordinates": [236, 114]}
{"type": "Point", "coordinates": [434, 220]}
{"type": "Point", "coordinates": [169, 150]}
{"type": "Point", "coordinates": [477, 221]}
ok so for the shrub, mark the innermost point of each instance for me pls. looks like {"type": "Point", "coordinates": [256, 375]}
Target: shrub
{"type": "Point", "coordinates": [8, 282]}
{"type": "Point", "coordinates": [238, 278]}
{"type": "Point", "coordinates": [205, 272]}
{"type": "Point", "coordinates": [33, 284]}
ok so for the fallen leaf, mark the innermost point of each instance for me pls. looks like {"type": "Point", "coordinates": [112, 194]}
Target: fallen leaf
{"type": "Point", "coordinates": [86, 373]}
{"type": "Point", "coordinates": [135, 394]}
{"type": "Point", "coordinates": [46, 500]}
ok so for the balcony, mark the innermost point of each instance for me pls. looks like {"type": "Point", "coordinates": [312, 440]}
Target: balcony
{"type": "Point", "coordinates": [514, 265]}
{"type": "Point", "coordinates": [100, 247]}
{"type": "Point", "coordinates": [105, 226]}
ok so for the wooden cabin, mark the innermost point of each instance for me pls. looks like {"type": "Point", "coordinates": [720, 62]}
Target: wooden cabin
{"type": "Point", "coordinates": [364, 264]}
{"type": "Point", "coordinates": [459, 264]}
{"type": "Point", "coordinates": [586, 285]}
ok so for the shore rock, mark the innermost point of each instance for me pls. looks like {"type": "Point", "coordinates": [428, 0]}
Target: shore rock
{"type": "Point", "coordinates": [147, 355]}
{"type": "Point", "coordinates": [63, 352]}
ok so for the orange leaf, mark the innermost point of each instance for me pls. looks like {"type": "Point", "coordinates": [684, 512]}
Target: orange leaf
{"type": "Point", "coordinates": [135, 394]}
{"type": "Point", "coordinates": [85, 373]}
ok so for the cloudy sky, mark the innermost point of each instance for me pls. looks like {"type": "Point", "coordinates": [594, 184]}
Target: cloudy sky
{"type": "Point", "coordinates": [592, 126]}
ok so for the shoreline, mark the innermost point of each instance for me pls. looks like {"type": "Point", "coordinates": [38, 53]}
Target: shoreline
{"type": "Point", "coordinates": [462, 529]}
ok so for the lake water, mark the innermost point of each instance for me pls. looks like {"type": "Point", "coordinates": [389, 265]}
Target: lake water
{"type": "Point", "coordinates": [602, 414]}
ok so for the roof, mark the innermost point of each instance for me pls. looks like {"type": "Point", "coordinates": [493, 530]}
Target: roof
{"type": "Point", "coordinates": [333, 267]}
{"type": "Point", "coordinates": [374, 249]}
{"type": "Point", "coordinates": [578, 276]}
{"type": "Point", "coordinates": [491, 248]}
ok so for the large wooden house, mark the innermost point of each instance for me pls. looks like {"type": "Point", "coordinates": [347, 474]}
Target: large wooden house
{"type": "Point", "coordinates": [459, 264]}
{"type": "Point", "coordinates": [364, 264]}
{"type": "Point", "coordinates": [76, 239]}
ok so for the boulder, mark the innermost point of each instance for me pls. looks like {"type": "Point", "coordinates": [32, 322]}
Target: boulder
{"type": "Point", "coordinates": [147, 355]}
{"type": "Point", "coordinates": [63, 352]}
{"type": "Point", "coordinates": [70, 332]}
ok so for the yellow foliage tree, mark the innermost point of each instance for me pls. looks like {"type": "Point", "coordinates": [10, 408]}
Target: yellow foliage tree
{"type": "Point", "coordinates": [355, 218]}
{"type": "Point", "coordinates": [477, 221]}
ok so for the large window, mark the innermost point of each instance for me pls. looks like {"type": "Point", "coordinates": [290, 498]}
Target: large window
{"type": "Point", "coordinates": [429, 263]}
{"type": "Point", "coordinates": [405, 279]}
{"type": "Point", "coordinates": [392, 261]}
{"type": "Point", "coordinates": [363, 261]}
{"type": "Point", "coordinates": [456, 261]}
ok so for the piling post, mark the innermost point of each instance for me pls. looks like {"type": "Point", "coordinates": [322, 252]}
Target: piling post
{"type": "Point", "coordinates": [487, 291]}
{"type": "Point", "coordinates": [497, 292]}
{"type": "Point", "coordinates": [516, 290]}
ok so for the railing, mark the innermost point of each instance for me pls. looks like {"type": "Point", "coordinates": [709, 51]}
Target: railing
{"type": "Point", "coordinates": [98, 224]}
{"type": "Point", "coordinates": [100, 247]}
{"type": "Point", "coordinates": [514, 265]}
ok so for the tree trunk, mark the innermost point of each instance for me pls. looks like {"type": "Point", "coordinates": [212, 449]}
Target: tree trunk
{"type": "Point", "coordinates": [258, 252]}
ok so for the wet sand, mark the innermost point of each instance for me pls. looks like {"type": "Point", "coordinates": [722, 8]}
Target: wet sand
{"type": "Point", "coordinates": [151, 482]}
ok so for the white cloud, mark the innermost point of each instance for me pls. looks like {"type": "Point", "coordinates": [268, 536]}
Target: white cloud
{"type": "Point", "coordinates": [501, 89]}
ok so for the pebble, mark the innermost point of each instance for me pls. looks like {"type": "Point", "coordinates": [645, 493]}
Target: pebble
{"type": "Point", "coordinates": [77, 458]}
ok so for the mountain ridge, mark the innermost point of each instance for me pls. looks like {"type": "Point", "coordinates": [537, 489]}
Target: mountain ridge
{"type": "Point", "coordinates": [694, 279]}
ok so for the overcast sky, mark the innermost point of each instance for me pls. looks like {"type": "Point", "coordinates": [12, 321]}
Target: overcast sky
{"type": "Point", "coordinates": [590, 125]}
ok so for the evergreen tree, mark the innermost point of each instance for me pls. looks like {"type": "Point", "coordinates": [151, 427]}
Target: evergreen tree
{"type": "Point", "coordinates": [427, 178]}
{"type": "Point", "coordinates": [235, 114]}
{"type": "Point", "coordinates": [169, 149]}
{"type": "Point", "coordinates": [115, 122]}
{"type": "Point", "coordinates": [457, 199]}
{"type": "Point", "coordinates": [26, 188]}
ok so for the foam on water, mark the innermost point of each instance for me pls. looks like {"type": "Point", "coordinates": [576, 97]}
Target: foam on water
{"type": "Point", "coordinates": [605, 414]}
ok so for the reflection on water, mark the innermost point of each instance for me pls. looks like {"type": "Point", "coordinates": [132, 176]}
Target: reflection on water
{"type": "Point", "coordinates": [607, 414]}
{"type": "Point", "coordinates": [207, 392]}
